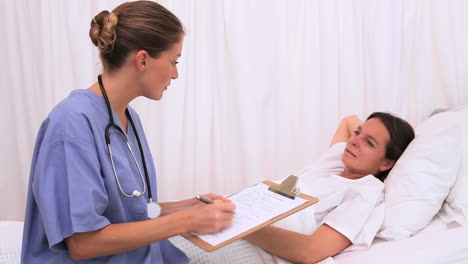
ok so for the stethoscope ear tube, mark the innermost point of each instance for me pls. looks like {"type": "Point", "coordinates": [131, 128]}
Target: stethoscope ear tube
{"type": "Point", "coordinates": [107, 134]}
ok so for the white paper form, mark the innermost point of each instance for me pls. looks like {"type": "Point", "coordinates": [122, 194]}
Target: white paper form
{"type": "Point", "coordinates": [255, 205]}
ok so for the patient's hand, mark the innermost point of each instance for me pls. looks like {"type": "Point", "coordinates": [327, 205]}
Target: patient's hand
{"type": "Point", "coordinates": [346, 128]}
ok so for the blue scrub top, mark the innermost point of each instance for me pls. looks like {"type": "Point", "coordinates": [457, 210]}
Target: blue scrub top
{"type": "Point", "coordinates": [72, 187]}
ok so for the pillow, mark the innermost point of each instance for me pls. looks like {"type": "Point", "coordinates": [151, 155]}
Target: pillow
{"type": "Point", "coordinates": [421, 179]}
{"type": "Point", "coordinates": [455, 207]}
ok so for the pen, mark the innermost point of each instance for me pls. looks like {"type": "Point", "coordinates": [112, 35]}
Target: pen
{"type": "Point", "coordinates": [202, 198]}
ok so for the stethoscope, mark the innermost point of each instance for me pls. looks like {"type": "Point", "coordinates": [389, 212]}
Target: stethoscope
{"type": "Point", "coordinates": [153, 208]}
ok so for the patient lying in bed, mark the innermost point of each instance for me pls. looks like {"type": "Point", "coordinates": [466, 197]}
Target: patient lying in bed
{"type": "Point", "coordinates": [347, 179]}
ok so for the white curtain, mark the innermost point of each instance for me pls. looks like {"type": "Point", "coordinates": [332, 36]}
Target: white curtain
{"type": "Point", "coordinates": [263, 84]}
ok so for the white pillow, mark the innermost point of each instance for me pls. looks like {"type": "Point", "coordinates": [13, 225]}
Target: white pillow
{"type": "Point", "coordinates": [455, 207]}
{"type": "Point", "coordinates": [421, 179]}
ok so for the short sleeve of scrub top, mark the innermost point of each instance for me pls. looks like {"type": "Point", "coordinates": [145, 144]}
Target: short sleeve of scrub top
{"type": "Point", "coordinates": [69, 194]}
{"type": "Point", "coordinates": [72, 188]}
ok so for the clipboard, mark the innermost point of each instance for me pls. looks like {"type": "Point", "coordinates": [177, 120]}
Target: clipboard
{"type": "Point", "coordinates": [286, 188]}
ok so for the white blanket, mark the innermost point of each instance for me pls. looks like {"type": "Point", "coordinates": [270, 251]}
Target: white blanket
{"type": "Point", "coordinates": [435, 244]}
{"type": "Point", "coordinates": [239, 252]}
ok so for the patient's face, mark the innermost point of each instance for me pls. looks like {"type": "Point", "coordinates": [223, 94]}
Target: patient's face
{"type": "Point", "coordinates": [365, 150]}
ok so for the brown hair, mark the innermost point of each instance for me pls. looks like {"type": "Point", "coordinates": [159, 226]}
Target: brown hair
{"type": "Point", "coordinates": [401, 134]}
{"type": "Point", "coordinates": [133, 26]}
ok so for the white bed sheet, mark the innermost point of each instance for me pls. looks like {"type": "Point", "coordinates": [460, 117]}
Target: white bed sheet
{"type": "Point", "coordinates": [435, 244]}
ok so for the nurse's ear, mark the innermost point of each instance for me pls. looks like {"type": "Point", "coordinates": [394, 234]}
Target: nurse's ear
{"type": "Point", "coordinates": [141, 59]}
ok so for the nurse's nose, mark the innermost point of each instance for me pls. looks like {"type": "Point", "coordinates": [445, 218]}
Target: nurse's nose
{"type": "Point", "coordinates": [175, 73]}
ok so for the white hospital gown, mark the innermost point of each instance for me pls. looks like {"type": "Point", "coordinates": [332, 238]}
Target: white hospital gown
{"type": "Point", "coordinates": [352, 207]}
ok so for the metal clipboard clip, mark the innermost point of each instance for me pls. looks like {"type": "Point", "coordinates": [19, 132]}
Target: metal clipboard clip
{"type": "Point", "coordinates": [287, 187]}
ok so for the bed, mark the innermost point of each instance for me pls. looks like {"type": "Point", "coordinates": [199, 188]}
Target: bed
{"type": "Point", "coordinates": [437, 243]}
{"type": "Point", "coordinates": [426, 216]}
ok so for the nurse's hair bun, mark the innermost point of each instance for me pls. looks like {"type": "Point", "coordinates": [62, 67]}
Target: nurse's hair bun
{"type": "Point", "coordinates": [134, 26]}
{"type": "Point", "coordinates": [102, 32]}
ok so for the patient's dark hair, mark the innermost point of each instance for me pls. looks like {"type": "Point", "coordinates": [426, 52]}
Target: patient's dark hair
{"type": "Point", "coordinates": [401, 134]}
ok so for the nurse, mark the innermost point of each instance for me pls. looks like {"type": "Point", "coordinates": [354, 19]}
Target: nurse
{"type": "Point", "coordinates": [91, 196]}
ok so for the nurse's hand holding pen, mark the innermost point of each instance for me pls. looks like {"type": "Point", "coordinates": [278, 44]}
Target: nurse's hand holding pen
{"type": "Point", "coordinates": [202, 217]}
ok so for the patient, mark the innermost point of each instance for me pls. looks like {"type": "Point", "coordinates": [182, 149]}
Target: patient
{"type": "Point", "coordinates": [348, 180]}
